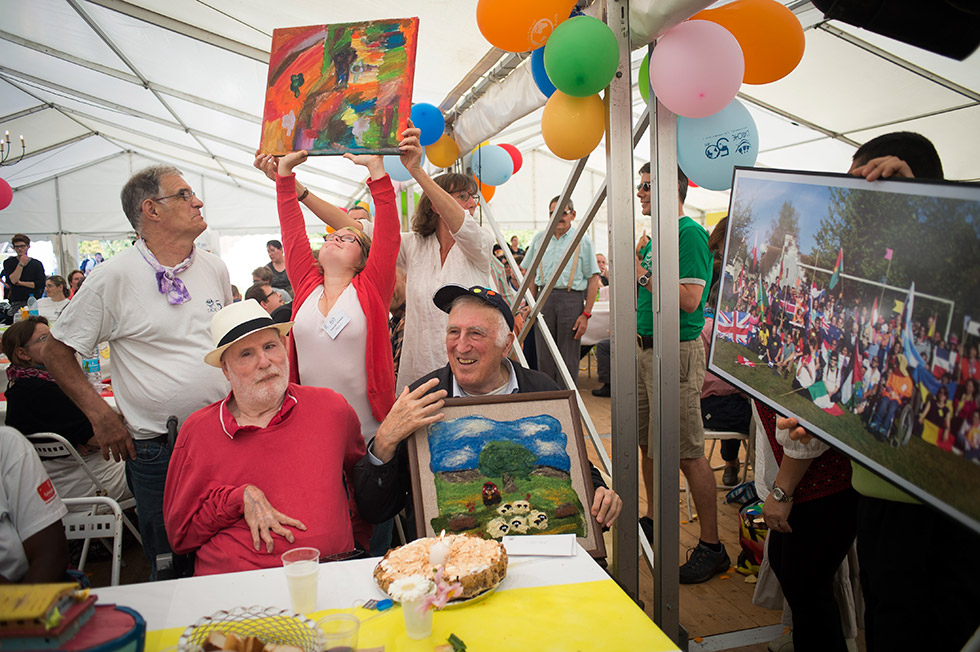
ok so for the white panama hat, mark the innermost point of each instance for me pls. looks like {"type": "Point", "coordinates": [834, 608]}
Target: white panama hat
{"type": "Point", "coordinates": [236, 321]}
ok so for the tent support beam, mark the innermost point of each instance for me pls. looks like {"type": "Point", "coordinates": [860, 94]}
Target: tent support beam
{"type": "Point", "coordinates": [127, 77]}
{"type": "Point", "coordinates": [146, 82]}
{"type": "Point", "coordinates": [663, 442]}
{"type": "Point", "coordinates": [899, 61]}
{"type": "Point", "coordinates": [621, 138]}
{"type": "Point", "coordinates": [61, 173]}
{"type": "Point", "coordinates": [184, 29]}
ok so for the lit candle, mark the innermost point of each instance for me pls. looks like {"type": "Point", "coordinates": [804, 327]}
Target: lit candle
{"type": "Point", "coordinates": [439, 550]}
{"type": "Point", "coordinates": [22, 140]}
{"type": "Point", "coordinates": [6, 135]}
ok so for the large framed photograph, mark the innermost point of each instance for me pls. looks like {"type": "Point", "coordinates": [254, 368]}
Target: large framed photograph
{"type": "Point", "coordinates": [505, 465]}
{"type": "Point", "coordinates": [340, 88]}
{"type": "Point", "coordinates": [850, 306]}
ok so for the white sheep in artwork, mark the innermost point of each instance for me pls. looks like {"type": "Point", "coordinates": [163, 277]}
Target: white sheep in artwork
{"type": "Point", "coordinates": [537, 520]}
{"type": "Point", "coordinates": [521, 507]}
{"type": "Point", "coordinates": [505, 509]}
{"type": "Point", "coordinates": [518, 524]}
{"type": "Point", "coordinates": [497, 528]}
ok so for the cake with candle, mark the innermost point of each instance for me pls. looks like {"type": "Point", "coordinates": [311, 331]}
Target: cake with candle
{"type": "Point", "coordinates": [477, 564]}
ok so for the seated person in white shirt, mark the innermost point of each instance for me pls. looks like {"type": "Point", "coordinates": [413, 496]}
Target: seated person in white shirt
{"type": "Point", "coordinates": [55, 299]}
{"type": "Point", "coordinates": [33, 548]}
{"type": "Point", "coordinates": [478, 339]}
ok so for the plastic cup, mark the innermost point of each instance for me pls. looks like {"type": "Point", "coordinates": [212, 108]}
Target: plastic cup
{"type": "Point", "coordinates": [418, 624]}
{"type": "Point", "coordinates": [302, 566]}
{"type": "Point", "coordinates": [339, 632]}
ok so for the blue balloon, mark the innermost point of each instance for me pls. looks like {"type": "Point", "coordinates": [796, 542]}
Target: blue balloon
{"type": "Point", "coordinates": [492, 165]}
{"type": "Point", "coordinates": [538, 73]}
{"type": "Point", "coordinates": [395, 169]}
{"type": "Point", "coordinates": [708, 149]}
{"type": "Point", "coordinates": [429, 119]}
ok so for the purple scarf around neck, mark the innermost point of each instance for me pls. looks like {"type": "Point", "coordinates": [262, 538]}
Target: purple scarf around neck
{"type": "Point", "coordinates": [167, 282]}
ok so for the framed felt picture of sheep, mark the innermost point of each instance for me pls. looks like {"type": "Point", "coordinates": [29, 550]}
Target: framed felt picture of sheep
{"type": "Point", "coordinates": [505, 465]}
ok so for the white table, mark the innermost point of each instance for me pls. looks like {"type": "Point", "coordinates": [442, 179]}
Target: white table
{"type": "Point", "coordinates": [574, 600]}
{"type": "Point", "coordinates": [598, 328]}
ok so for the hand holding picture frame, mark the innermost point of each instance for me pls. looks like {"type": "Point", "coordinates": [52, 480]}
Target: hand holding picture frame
{"type": "Point", "coordinates": [505, 465]}
{"type": "Point", "coordinates": [839, 304]}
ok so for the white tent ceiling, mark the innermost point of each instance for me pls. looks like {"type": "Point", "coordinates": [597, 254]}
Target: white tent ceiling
{"type": "Point", "coordinates": [99, 88]}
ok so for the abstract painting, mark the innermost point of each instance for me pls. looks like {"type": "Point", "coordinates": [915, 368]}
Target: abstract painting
{"type": "Point", "coordinates": [334, 89]}
{"type": "Point", "coordinates": [504, 466]}
{"type": "Point", "coordinates": [850, 305]}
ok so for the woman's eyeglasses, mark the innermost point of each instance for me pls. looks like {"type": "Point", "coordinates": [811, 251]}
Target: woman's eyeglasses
{"type": "Point", "coordinates": [464, 196]}
{"type": "Point", "coordinates": [346, 237]}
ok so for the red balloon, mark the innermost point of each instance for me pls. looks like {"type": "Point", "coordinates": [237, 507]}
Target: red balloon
{"type": "Point", "coordinates": [6, 194]}
{"type": "Point", "coordinates": [515, 154]}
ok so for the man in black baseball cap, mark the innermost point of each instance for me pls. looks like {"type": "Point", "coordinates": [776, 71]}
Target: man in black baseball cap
{"type": "Point", "coordinates": [479, 337]}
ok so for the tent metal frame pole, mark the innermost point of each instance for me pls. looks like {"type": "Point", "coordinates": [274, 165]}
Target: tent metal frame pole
{"type": "Point", "coordinates": [622, 300]}
{"type": "Point", "coordinates": [184, 29]}
{"type": "Point", "coordinates": [102, 34]}
{"type": "Point", "coordinates": [128, 77]}
{"type": "Point", "coordinates": [63, 143]}
{"type": "Point", "coordinates": [62, 263]}
{"type": "Point", "coordinates": [80, 166]}
{"type": "Point", "coordinates": [665, 422]}
{"type": "Point", "coordinates": [563, 199]}
{"type": "Point", "coordinates": [550, 344]}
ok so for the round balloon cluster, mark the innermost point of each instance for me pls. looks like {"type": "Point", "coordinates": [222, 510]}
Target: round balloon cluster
{"type": "Point", "coordinates": [573, 59]}
{"type": "Point", "coordinates": [696, 70]}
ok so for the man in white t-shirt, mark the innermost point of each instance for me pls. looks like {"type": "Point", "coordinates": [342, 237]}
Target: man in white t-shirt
{"type": "Point", "coordinates": [153, 304]}
{"type": "Point", "coordinates": [33, 547]}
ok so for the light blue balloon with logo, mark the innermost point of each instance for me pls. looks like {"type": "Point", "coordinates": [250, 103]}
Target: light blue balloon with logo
{"type": "Point", "coordinates": [708, 149]}
{"type": "Point", "coordinates": [395, 169]}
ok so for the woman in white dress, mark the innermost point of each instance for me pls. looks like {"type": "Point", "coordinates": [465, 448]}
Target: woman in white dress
{"type": "Point", "coordinates": [56, 299]}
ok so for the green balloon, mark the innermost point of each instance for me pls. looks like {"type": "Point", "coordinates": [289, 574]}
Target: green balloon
{"type": "Point", "coordinates": [581, 56]}
{"type": "Point", "coordinates": [644, 78]}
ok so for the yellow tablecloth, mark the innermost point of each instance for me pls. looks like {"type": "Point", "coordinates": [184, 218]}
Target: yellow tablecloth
{"type": "Point", "coordinates": [587, 616]}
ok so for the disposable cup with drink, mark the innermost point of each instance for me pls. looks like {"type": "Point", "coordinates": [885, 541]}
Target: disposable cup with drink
{"type": "Point", "coordinates": [339, 632]}
{"type": "Point", "coordinates": [302, 566]}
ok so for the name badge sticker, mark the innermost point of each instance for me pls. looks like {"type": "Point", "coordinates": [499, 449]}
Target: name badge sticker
{"type": "Point", "coordinates": [335, 323]}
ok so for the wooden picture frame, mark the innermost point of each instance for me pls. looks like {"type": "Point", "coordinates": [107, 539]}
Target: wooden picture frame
{"type": "Point", "coordinates": [537, 466]}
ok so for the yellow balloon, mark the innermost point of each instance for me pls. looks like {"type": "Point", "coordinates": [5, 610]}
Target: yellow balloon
{"type": "Point", "coordinates": [443, 153]}
{"type": "Point", "coordinates": [573, 126]}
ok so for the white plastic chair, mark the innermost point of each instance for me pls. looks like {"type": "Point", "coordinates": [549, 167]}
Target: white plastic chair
{"type": "Point", "coordinates": [715, 436]}
{"type": "Point", "coordinates": [50, 445]}
{"type": "Point", "coordinates": [102, 520]}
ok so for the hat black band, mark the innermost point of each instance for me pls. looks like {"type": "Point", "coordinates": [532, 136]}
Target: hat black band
{"type": "Point", "coordinates": [244, 329]}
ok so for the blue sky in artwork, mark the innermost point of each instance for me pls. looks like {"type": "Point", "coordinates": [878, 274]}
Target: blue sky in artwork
{"type": "Point", "coordinates": [767, 197]}
{"type": "Point", "coordinates": [455, 445]}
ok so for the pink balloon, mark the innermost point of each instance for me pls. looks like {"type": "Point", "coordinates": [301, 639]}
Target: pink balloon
{"type": "Point", "coordinates": [6, 194]}
{"type": "Point", "coordinates": [696, 68]}
{"type": "Point", "coordinates": [515, 155]}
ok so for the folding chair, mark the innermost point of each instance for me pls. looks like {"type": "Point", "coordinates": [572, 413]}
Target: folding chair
{"type": "Point", "coordinates": [96, 523]}
{"type": "Point", "coordinates": [50, 445]}
{"type": "Point", "coordinates": [715, 436]}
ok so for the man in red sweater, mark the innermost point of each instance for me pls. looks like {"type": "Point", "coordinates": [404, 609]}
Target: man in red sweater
{"type": "Point", "coordinates": [270, 467]}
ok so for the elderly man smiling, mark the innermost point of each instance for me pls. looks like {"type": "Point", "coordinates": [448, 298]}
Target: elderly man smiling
{"type": "Point", "coordinates": [478, 338]}
{"type": "Point", "coordinates": [269, 466]}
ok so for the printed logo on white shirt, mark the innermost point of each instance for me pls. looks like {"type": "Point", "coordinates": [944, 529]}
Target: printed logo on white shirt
{"type": "Point", "coordinates": [46, 491]}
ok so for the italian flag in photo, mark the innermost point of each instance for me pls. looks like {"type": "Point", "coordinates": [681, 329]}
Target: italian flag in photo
{"type": "Point", "coordinates": [835, 277]}
{"type": "Point", "coordinates": [818, 392]}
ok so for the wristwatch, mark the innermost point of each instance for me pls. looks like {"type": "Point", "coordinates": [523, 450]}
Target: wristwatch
{"type": "Point", "coordinates": [781, 496]}
{"type": "Point", "coordinates": [643, 280]}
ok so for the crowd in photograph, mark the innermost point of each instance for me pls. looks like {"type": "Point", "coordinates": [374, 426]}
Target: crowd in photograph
{"type": "Point", "coordinates": [856, 353]}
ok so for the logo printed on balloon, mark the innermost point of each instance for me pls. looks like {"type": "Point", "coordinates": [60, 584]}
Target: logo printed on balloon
{"type": "Point", "coordinates": [540, 32]}
{"type": "Point", "coordinates": [708, 149]}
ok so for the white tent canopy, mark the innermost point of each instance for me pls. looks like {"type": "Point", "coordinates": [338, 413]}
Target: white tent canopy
{"type": "Point", "coordinates": [100, 88]}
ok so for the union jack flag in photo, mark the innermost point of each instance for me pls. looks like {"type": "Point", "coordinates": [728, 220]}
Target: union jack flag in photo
{"type": "Point", "coordinates": [735, 330]}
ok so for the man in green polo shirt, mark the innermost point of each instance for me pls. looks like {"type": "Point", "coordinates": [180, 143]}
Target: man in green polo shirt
{"type": "Point", "coordinates": [569, 306]}
{"type": "Point", "coordinates": [694, 270]}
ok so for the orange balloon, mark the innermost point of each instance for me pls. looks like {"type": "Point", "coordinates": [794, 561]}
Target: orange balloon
{"type": "Point", "coordinates": [485, 190]}
{"type": "Point", "coordinates": [443, 153]}
{"type": "Point", "coordinates": [769, 34]}
{"type": "Point", "coordinates": [573, 126]}
{"type": "Point", "coordinates": [520, 25]}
